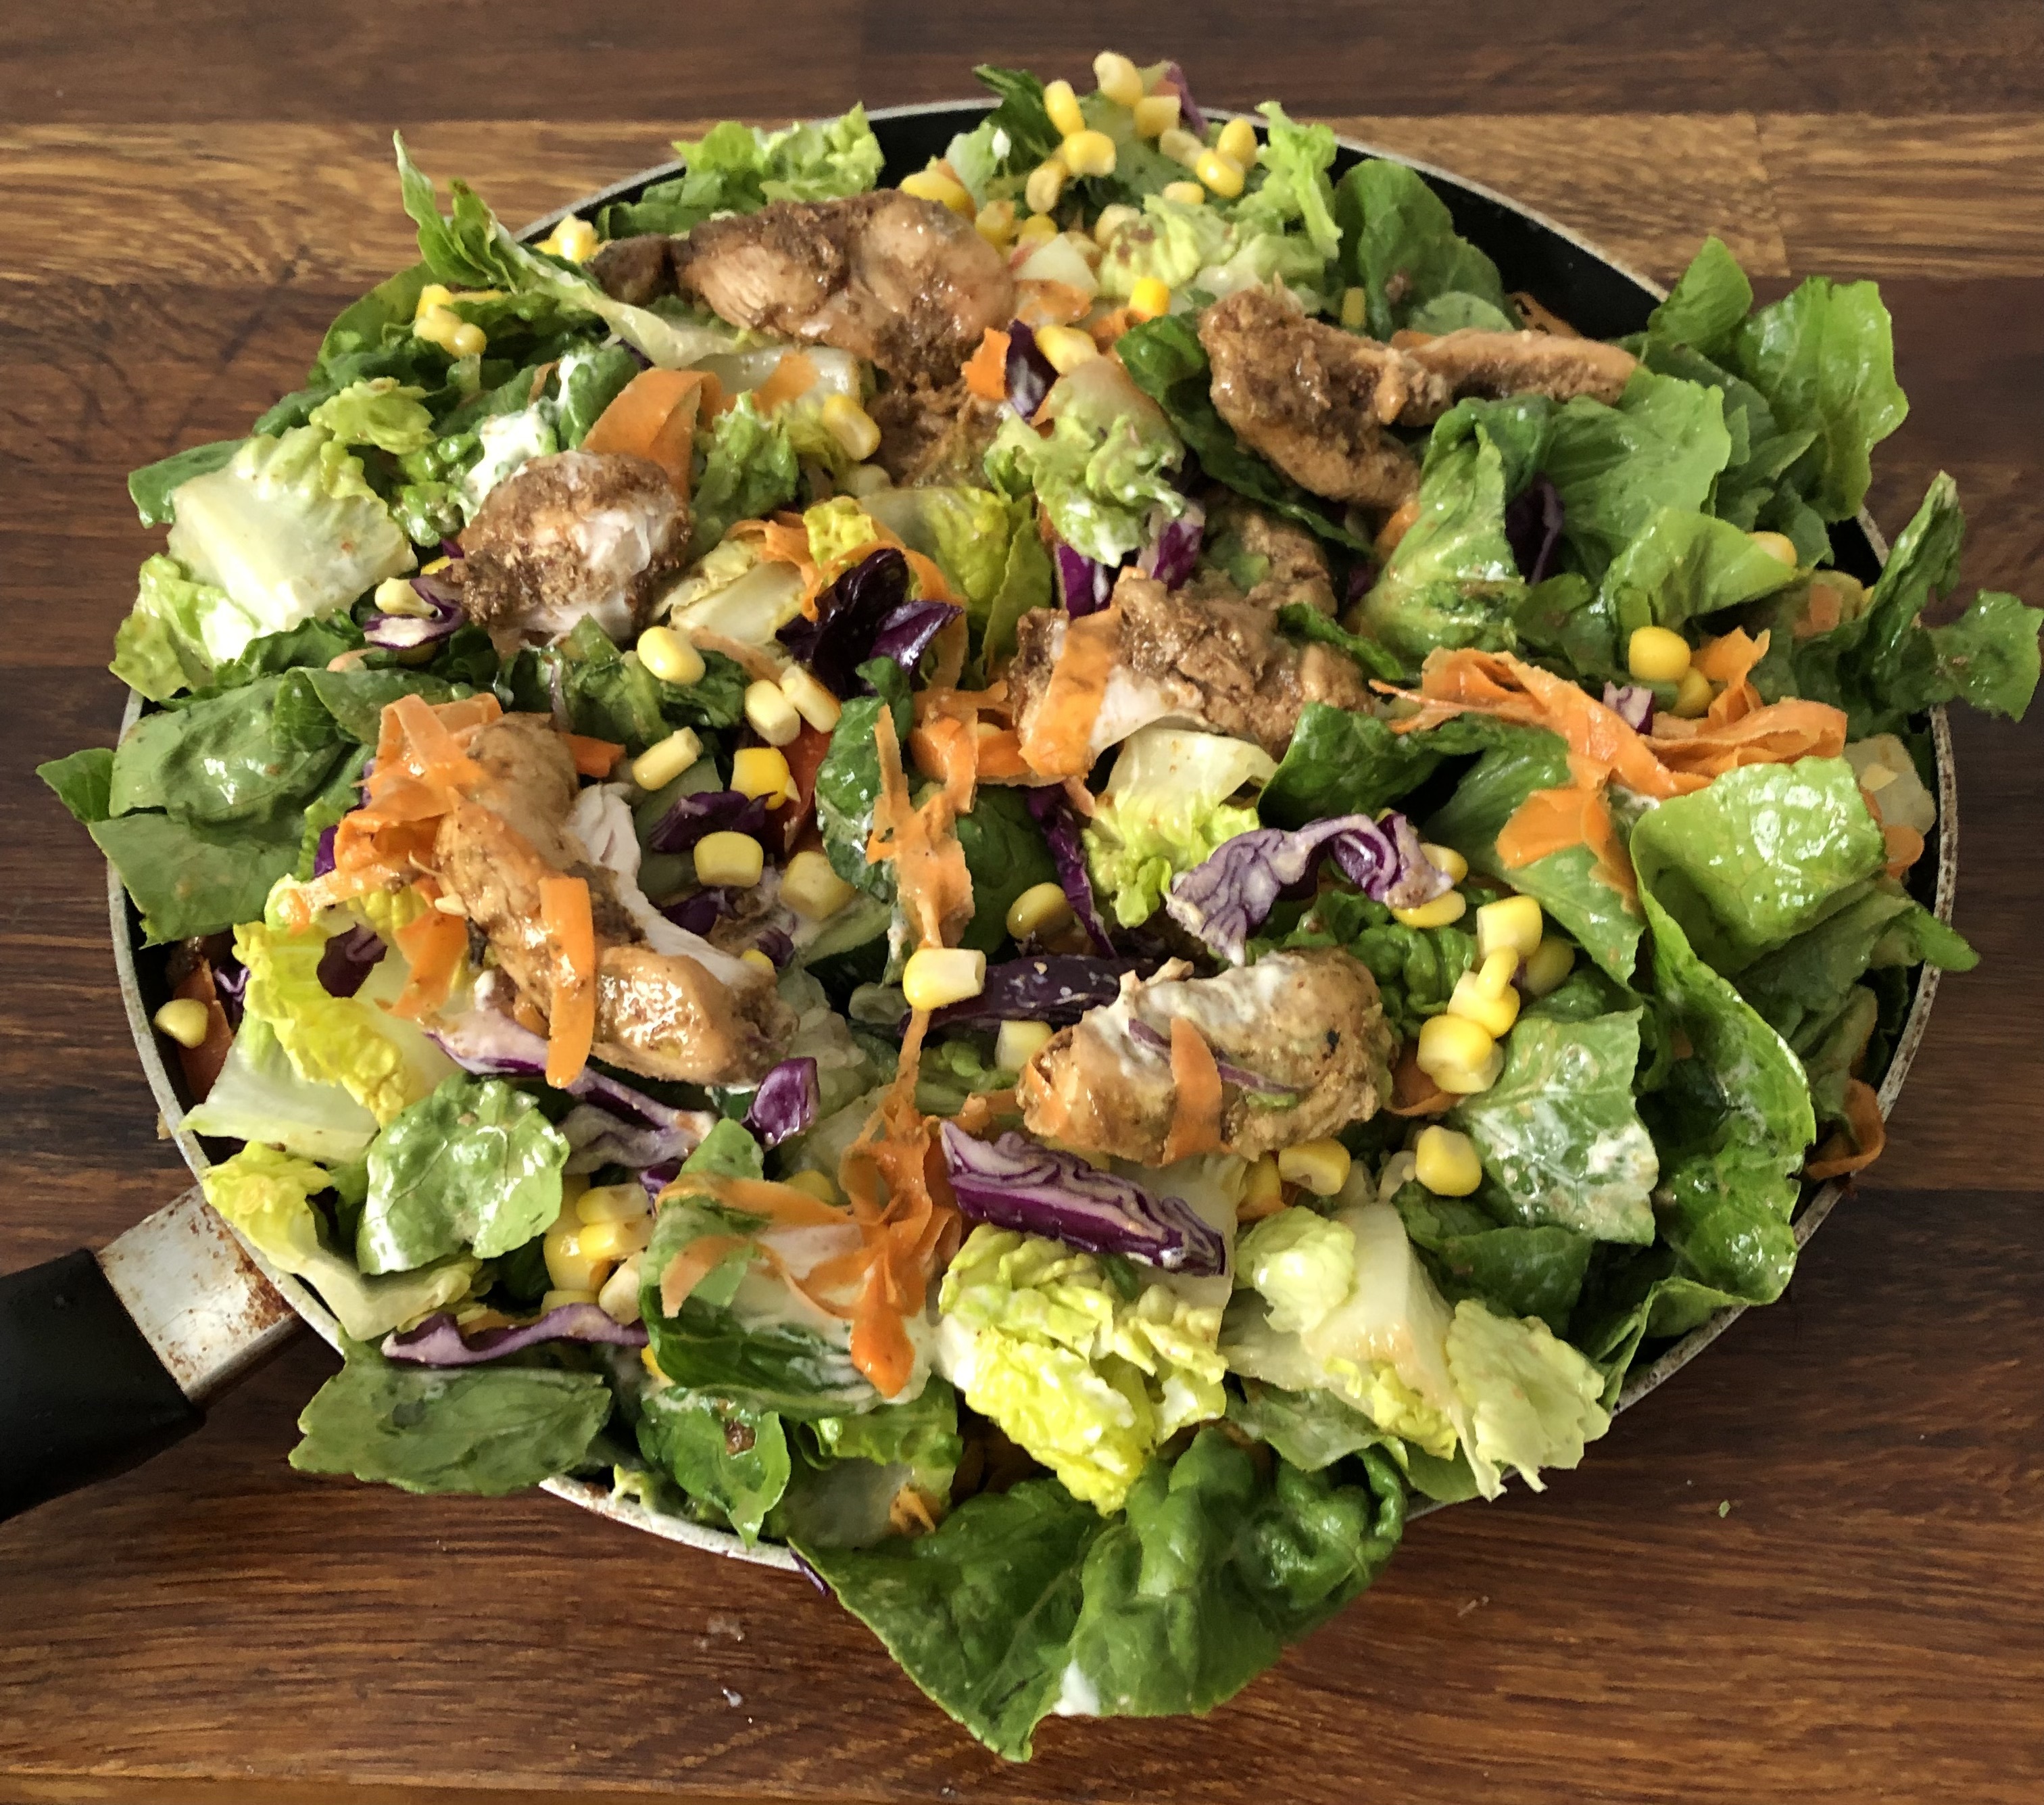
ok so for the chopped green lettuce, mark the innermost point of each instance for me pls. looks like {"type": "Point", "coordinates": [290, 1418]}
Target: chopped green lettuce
{"type": "Point", "coordinates": [1534, 1400]}
{"type": "Point", "coordinates": [382, 412]}
{"type": "Point", "coordinates": [1165, 808]}
{"type": "Point", "coordinates": [163, 645]}
{"type": "Point", "coordinates": [260, 1096]}
{"type": "Point", "coordinates": [738, 168]}
{"type": "Point", "coordinates": [1295, 191]}
{"type": "Point", "coordinates": [749, 470]}
{"type": "Point", "coordinates": [1302, 1263]}
{"type": "Point", "coordinates": [731, 1457]}
{"type": "Point", "coordinates": [190, 877]}
{"type": "Point", "coordinates": [1402, 248]}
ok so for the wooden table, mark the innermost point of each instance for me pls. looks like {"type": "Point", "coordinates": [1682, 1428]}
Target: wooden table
{"type": "Point", "coordinates": [1810, 1569]}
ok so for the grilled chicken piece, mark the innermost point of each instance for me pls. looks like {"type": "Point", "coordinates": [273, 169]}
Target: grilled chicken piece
{"type": "Point", "coordinates": [1312, 399]}
{"type": "Point", "coordinates": [1308, 1027]}
{"type": "Point", "coordinates": [635, 271]}
{"type": "Point", "coordinates": [933, 435]}
{"type": "Point", "coordinates": [904, 283]}
{"type": "Point", "coordinates": [1293, 567]}
{"type": "Point", "coordinates": [700, 1016]}
{"type": "Point", "coordinates": [1199, 663]}
{"type": "Point", "coordinates": [570, 534]}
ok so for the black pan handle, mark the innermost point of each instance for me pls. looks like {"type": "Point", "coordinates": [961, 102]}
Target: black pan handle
{"type": "Point", "coordinates": [82, 1395]}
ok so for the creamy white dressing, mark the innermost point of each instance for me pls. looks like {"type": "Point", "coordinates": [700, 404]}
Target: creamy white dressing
{"type": "Point", "coordinates": [509, 440]}
{"type": "Point", "coordinates": [1077, 1696]}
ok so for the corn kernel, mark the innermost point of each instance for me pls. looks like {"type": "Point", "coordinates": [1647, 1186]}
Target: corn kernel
{"type": "Point", "coordinates": [851, 426]}
{"type": "Point", "coordinates": [659, 765]}
{"type": "Point", "coordinates": [1494, 1011]}
{"type": "Point", "coordinates": [1514, 926]}
{"type": "Point", "coordinates": [670, 657]}
{"type": "Point", "coordinates": [1262, 1189]}
{"type": "Point", "coordinates": [574, 239]}
{"type": "Point", "coordinates": [817, 1184]}
{"type": "Point", "coordinates": [1399, 1171]}
{"type": "Point", "coordinates": [1779, 545]}
{"type": "Point", "coordinates": [570, 1268]}
{"type": "Point", "coordinates": [759, 961]}
{"type": "Point", "coordinates": [1037, 229]}
{"type": "Point", "coordinates": [1180, 146]}
{"type": "Point", "coordinates": [1321, 1166]}
{"type": "Point", "coordinates": [1459, 1054]}
{"type": "Point", "coordinates": [1018, 1042]}
{"type": "Point", "coordinates": [1446, 1162]}
{"type": "Point", "coordinates": [1062, 105]}
{"type": "Point", "coordinates": [769, 714]}
{"type": "Point", "coordinates": [618, 1297]}
{"type": "Point", "coordinates": [613, 1240]}
{"type": "Point", "coordinates": [995, 222]}
{"type": "Point", "coordinates": [1354, 309]}
{"type": "Point", "coordinates": [611, 1203]}
{"type": "Point", "coordinates": [1065, 347]}
{"type": "Point", "coordinates": [1149, 297]}
{"type": "Point", "coordinates": [435, 295]}
{"type": "Point", "coordinates": [761, 771]}
{"type": "Point", "coordinates": [652, 1362]}
{"type": "Point", "coordinates": [436, 325]}
{"type": "Point", "coordinates": [1088, 153]}
{"type": "Point", "coordinates": [435, 568]}
{"type": "Point", "coordinates": [1046, 184]}
{"type": "Point", "coordinates": [185, 1021]}
{"type": "Point", "coordinates": [1693, 695]}
{"type": "Point", "coordinates": [812, 889]}
{"type": "Point", "coordinates": [395, 595]}
{"type": "Point", "coordinates": [1042, 909]}
{"type": "Point", "coordinates": [1546, 965]}
{"type": "Point", "coordinates": [1156, 114]}
{"type": "Point", "coordinates": [1185, 193]}
{"type": "Point", "coordinates": [1495, 971]}
{"type": "Point", "coordinates": [810, 699]}
{"type": "Point", "coordinates": [1118, 77]}
{"type": "Point", "coordinates": [1445, 859]}
{"type": "Point", "coordinates": [1657, 655]}
{"type": "Point", "coordinates": [1222, 174]}
{"type": "Point", "coordinates": [1437, 913]}
{"type": "Point", "coordinates": [730, 858]}
{"type": "Point", "coordinates": [563, 1295]}
{"type": "Point", "coordinates": [934, 185]}
{"type": "Point", "coordinates": [1237, 142]}
{"type": "Point", "coordinates": [936, 976]}
{"type": "Point", "coordinates": [1113, 221]}
{"type": "Point", "coordinates": [467, 341]}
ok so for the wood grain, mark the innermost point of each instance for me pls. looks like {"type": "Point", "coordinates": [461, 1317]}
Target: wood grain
{"type": "Point", "coordinates": [192, 194]}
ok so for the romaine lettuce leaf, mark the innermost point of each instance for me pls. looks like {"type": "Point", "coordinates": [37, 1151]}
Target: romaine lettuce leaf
{"type": "Point", "coordinates": [749, 469]}
{"type": "Point", "coordinates": [151, 487]}
{"type": "Point", "coordinates": [383, 413]}
{"type": "Point", "coordinates": [1402, 247]}
{"type": "Point", "coordinates": [1518, 1270]}
{"type": "Point", "coordinates": [83, 782]}
{"type": "Point", "coordinates": [163, 646]}
{"type": "Point", "coordinates": [188, 878]}
{"type": "Point", "coordinates": [965, 531]}
{"type": "Point", "coordinates": [1005, 855]}
{"type": "Point", "coordinates": [223, 760]}
{"type": "Point", "coordinates": [1682, 565]}
{"type": "Point", "coordinates": [259, 1096]}
{"type": "Point", "coordinates": [1708, 303]}
{"type": "Point", "coordinates": [738, 168]}
{"type": "Point", "coordinates": [1344, 763]}
{"type": "Point", "coordinates": [1295, 191]}
{"type": "Point", "coordinates": [1534, 1400]}
{"type": "Point", "coordinates": [730, 1457]}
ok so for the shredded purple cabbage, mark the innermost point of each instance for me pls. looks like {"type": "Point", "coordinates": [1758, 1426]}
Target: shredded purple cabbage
{"type": "Point", "coordinates": [786, 1102]}
{"type": "Point", "coordinates": [1240, 1076]}
{"type": "Point", "coordinates": [1362, 579]}
{"type": "Point", "coordinates": [323, 854]}
{"type": "Point", "coordinates": [348, 959]}
{"type": "Point", "coordinates": [400, 633]}
{"type": "Point", "coordinates": [657, 1178]}
{"type": "Point", "coordinates": [452, 548]}
{"type": "Point", "coordinates": [777, 944]}
{"type": "Point", "coordinates": [230, 985]}
{"type": "Point", "coordinates": [1059, 820]}
{"type": "Point", "coordinates": [707, 811]}
{"type": "Point", "coordinates": [1083, 586]}
{"type": "Point", "coordinates": [439, 1341]}
{"type": "Point", "coordinates": [1058, 988]}
{"type": "Point", "coordinates": [1189, 115]}
{"type": "Point", "coordinates": [702, 912]}
{"type": "Point", "coordinates": [595, 1138]}
{"type": "Point", "coordinates": [494, 1046]}
{"type": "Point", "coordinates": [1028, 371]}
{"type": "Point", "coordinates": [1174, 548]}
{"type": "Point", "coordinates": [1014, 1183]}
{"type": "Point", "coordinates": [1225, 898]}
{"type": "Point", "coordinates": [1533, 524]}
{"type": "Point", "coordinates": [866, 614]}
{"type": "Point", "coordinates": [1633, 703]}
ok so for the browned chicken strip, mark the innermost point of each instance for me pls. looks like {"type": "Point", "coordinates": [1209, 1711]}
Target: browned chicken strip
{"type": "Point", "coordinates": [1200, 663]}
{"type": "Point", "coordinates": [570, 534]}
{"type": "Point", "coordinates": [1470, 362]}
{"type": "Point", "coordinates": [662, 1015]}
{"type": "Point", "coordinates": [635, 271]}
{"type": "Point", "coordinates": [1299, 1037]}
{"type": "Point", "coordinates": [933, 435]}
{"type": "Point", "coordinates": [901, 281]}
{"type": "Point", "coordinates": [1281, 564]}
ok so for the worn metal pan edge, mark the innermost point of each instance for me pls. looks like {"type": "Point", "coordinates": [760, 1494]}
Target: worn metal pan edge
{"type": "Point", "coordinates": [1810, 1217]}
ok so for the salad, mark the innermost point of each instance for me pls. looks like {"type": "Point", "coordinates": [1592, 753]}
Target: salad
{"type": "Point", "coordinates": [1047, 882]}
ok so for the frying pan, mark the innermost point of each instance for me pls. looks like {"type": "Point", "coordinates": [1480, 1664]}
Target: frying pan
{"type": "Point", "coordinates": [107, 1358]}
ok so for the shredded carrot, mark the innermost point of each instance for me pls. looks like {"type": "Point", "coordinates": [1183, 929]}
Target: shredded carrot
{"type": "Point", "coordinates": [1550, 821]}
{"type": "Point", "coordinates": [983, 1108]}
{"type": "Point", "coordinates": [1041, 303]}
{"type": "Point", "coordinates": [783, 1206]}
{"type": "Point", "coordinates": [1058, 741]}
{"type": "Point", "coordinates": [1821, 611]}
{"type": "Point", "coordinates": [795, 375]}
{"type": "Point", "coordinates": [1197, 1095]}
{"type": "Point", "coordinates": [985, 370]}
{"type": "Point", "coordinates": [934, 882]}
{"type": "Point", "coordinates": [1106, 328]}
{"type": "Point", "coordinates": [592, 758]}
{"type": "Point", "coordinates": [1858, 1143]}
{"type": "Point", "coordinates": [1396, 528]}
{"type": "Point", "coordinates": [1412, 1092]}
{"type": "Point", "coordinates": [756, 661]}
{"type": "Point", "coordinates": [1905, 847]}
{"type": "Point", "coordinates": [693, 1264]}
{"type": "Point", "coordinates": [565, 919]}
{"type": "Point", "coordinates": [1542, 319]}
{"type": "Point", "coordinates": [654, 416]}
{"type": "Point", "coordinates": [433, 946]}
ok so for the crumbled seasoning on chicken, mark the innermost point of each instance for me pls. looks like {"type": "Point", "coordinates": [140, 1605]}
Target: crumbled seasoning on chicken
{"type": "Point", "coordinates": [933, 435]}
{"type": "Point", "coordinates": [662, 1015]}
{"type": "Point", "coordinates": [1154, 655]}
{"type": "Point", "coordinates": [1309, 1025]}
{"type": "Point", "coordinates": [570, 534]}
{"type": "Point", "coordinates": [635, 271]}
{"type": "Point", "coordinates": [1279, 563]}
{"type": "Point", "coordinates": [902, 282]}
